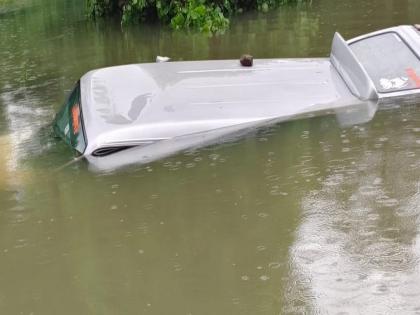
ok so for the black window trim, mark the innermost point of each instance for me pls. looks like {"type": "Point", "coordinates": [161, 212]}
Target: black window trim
{"type": "Point", "coordinates": [82, 121]}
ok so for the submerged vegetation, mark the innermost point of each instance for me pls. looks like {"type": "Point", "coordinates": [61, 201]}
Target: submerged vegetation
{"type": "Point", "coordinates": [204, 15]}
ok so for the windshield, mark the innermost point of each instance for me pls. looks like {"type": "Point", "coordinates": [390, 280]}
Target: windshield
{"type": "Point", "coordinates": [390, 63]}
{"type": "Point", "coordinates": [69, 123]}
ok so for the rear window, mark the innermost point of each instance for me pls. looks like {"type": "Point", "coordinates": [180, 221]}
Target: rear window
{"type": "Point", "coordinates": [390, 63]}
{"type": "Point", "coordinates": [69, 122]}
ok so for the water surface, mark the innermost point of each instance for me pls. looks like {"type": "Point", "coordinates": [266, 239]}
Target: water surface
{"type": "Point", "coordinates": [300, 218]}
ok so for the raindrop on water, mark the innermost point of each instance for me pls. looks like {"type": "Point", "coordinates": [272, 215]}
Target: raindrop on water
{"type": "Point", "coordinates": [274, 265]}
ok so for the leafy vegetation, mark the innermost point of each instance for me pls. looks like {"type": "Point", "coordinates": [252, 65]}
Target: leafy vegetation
{"type": "Point", "coordinates": [204, 15]}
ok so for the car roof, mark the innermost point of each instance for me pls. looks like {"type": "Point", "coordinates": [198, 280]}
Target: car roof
{"type": "Point", "coordinates": [143, 103]}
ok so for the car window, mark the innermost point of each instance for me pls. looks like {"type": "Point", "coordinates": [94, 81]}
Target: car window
{"type": "Point", "coordinates": [69, 123]}
{"type": "Point", "coordinates": [390, 63]}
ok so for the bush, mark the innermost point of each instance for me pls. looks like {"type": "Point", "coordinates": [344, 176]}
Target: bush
{"type": "Point", "coordinates": [204, 15]}
{"type": "Point", "coordinates": [196, 14]}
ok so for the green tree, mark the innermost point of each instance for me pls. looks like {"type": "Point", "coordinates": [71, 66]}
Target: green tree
{"type": "Point", "coordinates": [204, 15]}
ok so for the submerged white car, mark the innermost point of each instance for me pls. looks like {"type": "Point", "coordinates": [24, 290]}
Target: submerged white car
{"type": "Point", "coordinates": [141, 112]}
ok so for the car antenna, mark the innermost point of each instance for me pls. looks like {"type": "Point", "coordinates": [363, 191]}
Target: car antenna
{"type": "Point", "coordinates": [71, 162]}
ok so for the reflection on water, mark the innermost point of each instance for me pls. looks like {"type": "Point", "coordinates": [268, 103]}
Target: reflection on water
{"type": "Point", "coordinates": [311, 216]}
{"type": "Point", "coordinates": [356, 249]}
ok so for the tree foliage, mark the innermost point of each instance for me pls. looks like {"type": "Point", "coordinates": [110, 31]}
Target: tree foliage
{"type": "Point", "coordinates": [204, 15]}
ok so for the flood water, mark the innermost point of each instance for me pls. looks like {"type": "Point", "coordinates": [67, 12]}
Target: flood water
{"type": "Point", "coordinates": [305, 217]}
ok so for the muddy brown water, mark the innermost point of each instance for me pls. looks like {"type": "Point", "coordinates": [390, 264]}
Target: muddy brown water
{"type": "Point", "coordinates": [304, 217]}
